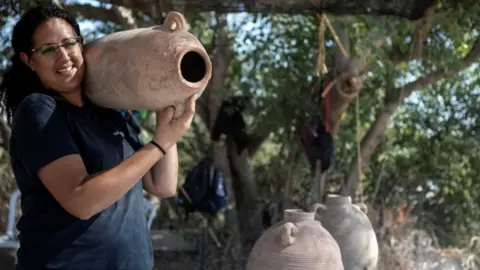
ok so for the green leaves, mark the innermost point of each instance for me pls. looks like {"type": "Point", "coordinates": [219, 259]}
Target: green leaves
{"type": "Point", "coordinates": [436, 147]}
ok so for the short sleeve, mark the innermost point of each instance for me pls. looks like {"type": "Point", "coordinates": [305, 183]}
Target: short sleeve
{"type": "Point", "coordinates": [40, 132]}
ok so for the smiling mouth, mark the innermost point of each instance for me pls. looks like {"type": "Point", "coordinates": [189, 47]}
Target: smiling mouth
{"type": "Point", "coordinates": [65, 70]}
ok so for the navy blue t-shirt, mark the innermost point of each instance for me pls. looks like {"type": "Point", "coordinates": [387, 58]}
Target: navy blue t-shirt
{"type": "Point", "coordinates": [45, 129]}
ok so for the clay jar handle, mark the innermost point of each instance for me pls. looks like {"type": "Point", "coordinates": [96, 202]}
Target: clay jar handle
{"type": "Point", "coordinates": [175, 21]}
{"type": "Point", "coordinates": [287, 233]}
{"type": "Point", "coordinates": [363, 207]}
{"type": "Point", "coordinates": [317, 208]}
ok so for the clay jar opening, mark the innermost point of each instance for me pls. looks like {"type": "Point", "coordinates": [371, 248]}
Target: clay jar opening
{"type": "Point", "coordinates": [338, 199]}
{"type": "Point", "coordinates": [193, 68]}
{"type": "Point", "coordinates": [295, 215]}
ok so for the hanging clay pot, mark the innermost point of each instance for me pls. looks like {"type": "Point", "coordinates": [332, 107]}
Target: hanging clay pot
{"type": "Point", "coordinates": [298, 242]}
{"type": "Point", "coordinates": [147, 68]}
{"type": "Point", "coordinates": [351, 228]}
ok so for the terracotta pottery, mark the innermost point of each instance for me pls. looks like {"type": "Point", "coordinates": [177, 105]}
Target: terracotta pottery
{"type": "Point", "coordinates": [147, 68]}
{"type": "Point", "coordinates": [298, 242]}
{"type": "Point", "coordinates": [351, 228]}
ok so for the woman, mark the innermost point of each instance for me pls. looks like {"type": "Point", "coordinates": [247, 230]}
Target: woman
{"type": "Point", "coordinates": [79, 166]}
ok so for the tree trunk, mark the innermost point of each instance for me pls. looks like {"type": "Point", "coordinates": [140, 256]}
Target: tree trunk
{"type": "Point", "coordinates": [246, 195]}
{"type": "Point", "coordinates": [242, 185]}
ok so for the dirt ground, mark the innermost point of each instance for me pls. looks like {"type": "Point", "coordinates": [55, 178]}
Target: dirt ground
{"type": "Point", "coordinates": [193, 262]}
{"type": "Point", "coordinates": [182, 261]}
{"type": "Point", "coordinates": [214, 259]}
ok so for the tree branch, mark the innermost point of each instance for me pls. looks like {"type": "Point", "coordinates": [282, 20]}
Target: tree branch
{"type": "Point", "coordinates": [117, 14]}
{"type": "Point", "coordinates": [125, 17]}
{"type": "Point", "coordinates": [410, 9]}
{"type": "Point", "coordinates": [219, 51]}
{"type": "Point", "coordinates": [93, 13]}
{"type": "Point", "coordinates": [472, 57]}
{"type": "Point", "coordinates": [374, 135]}
{"type": "Point", "coordinates": [421, 32]}
{"type": "Point", "coordinates": [141, 5]}
{"type": "Point", "coordinates": [221, 56]}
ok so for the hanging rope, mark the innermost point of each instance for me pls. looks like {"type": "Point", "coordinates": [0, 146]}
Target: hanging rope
{"type": "Point", "coordinates": [321, 67]}
{"type": "Point", "coordinates": [323, 20]}
{"type": "Point", "coordinates": [359, 151]}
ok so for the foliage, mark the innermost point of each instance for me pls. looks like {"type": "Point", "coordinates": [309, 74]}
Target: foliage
{"type": "Point", "coordinates": [436, 158]}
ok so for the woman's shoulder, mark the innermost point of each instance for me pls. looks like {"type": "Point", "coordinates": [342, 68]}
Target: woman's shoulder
{"type": "Point", "coordinates": [35, 106]}
{"type": "Point", "coordinates": [37, 101]}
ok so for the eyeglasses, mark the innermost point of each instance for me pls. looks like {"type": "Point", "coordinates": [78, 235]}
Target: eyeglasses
{"type": "Point", "coordinates": [52, 49]}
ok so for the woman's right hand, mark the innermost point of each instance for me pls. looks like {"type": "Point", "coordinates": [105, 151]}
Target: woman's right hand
{"type": "Point", "coordinates": [169, 129]}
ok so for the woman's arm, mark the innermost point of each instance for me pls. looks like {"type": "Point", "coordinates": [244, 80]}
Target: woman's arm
{"type": "Point", "coordinates": [84, 195]}
{"type": "Point", "coordinates": [161, 180]}
{"type": "Point", "coordinates": [44, 144]}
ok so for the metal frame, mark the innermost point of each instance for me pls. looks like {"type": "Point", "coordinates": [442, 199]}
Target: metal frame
{"type": "Point", "coordinates": [10, 240]}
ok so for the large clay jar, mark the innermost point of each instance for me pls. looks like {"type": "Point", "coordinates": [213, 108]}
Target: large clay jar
{"type": "Point", "coordinates": [147, 68]}
{"type": "Point", "coordinates": [298, 242]}
{"type": "Point", "coordinates": [351, 228]}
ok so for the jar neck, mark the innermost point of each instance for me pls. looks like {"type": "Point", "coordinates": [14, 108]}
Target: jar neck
{"type": "Point", "coordinates": [296, 215]}
{"type": "Point", "coordinates": [338, 199]}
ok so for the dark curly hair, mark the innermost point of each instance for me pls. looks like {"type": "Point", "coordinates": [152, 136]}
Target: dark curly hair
{"type": "Point", "coordinates": [19, 80]}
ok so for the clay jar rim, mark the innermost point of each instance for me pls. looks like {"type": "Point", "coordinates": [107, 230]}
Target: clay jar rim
{"type": "Point", "coordinates": [338, 199]}
{"type": "Point", "coordinates": [208, 67]}
{"type": "Point", "coordinates": [295, 215]}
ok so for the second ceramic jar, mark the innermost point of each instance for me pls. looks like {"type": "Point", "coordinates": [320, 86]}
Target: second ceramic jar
{"type": "Point", "coordinates": [351, 228]}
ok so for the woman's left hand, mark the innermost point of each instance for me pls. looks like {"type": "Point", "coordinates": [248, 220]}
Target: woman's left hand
{"type": "Point", "coordinates": [170, 128]}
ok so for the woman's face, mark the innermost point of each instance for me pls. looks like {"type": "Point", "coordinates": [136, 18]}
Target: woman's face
{"type": "Point", "coordinates": [59, 67]}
